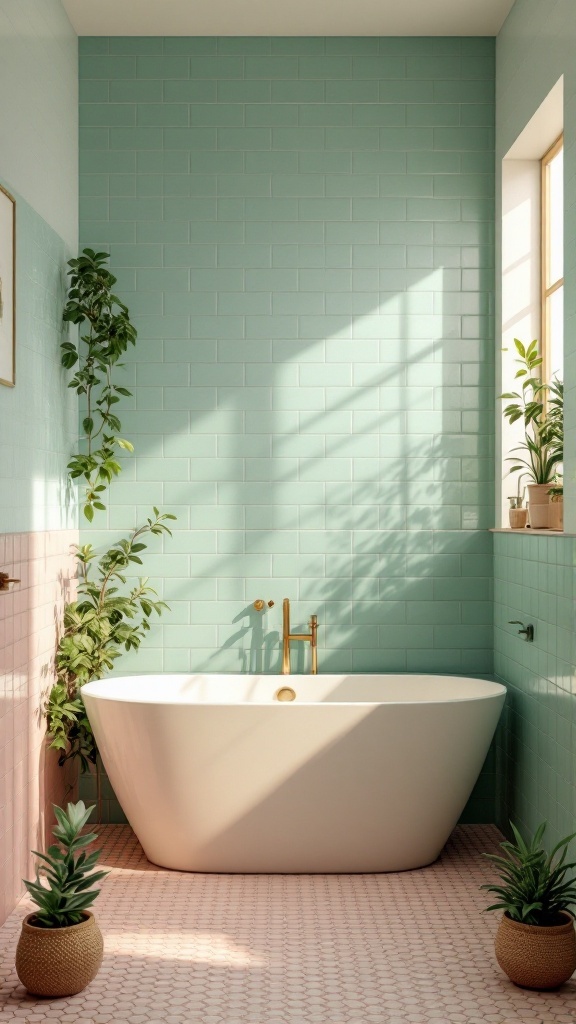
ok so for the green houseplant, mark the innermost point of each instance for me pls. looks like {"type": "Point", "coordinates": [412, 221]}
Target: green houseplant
{"type": "Point", "coordinates": [104, 336]}
{"type": "Point", "coordinates": [535, 942]}
{"type": "Point", "coordinates": [60, 947]}
{"type": "Point", "coordinates": [556, 507]}
{"type": "Point", "coordinates": [110, 615]}
{"type": "Point", "coordinates": [540, 407]}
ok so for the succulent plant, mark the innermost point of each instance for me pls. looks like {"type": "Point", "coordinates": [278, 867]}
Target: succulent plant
{"type": "Point", "coordinates": [68, 870]}
{"type": "Point", "coordinates": [535, 886]}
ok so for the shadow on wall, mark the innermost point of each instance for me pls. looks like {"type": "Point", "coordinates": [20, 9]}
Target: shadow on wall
{"type": "Point", "coordinates": [389, 556]}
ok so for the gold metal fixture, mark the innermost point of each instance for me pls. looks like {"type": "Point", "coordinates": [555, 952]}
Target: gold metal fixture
{"type": "Point", "coordinates": [6, 580]}
{"type": "Point", "coordinates": [259, 604]}
{"type": "Point", "coordinates": [285, 693]}
{"type": "Point", "coordinates": [287, 636]}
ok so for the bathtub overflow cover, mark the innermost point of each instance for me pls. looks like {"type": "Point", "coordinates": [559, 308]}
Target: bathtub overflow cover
{"type": "Point", "coordinates": [285, 693]}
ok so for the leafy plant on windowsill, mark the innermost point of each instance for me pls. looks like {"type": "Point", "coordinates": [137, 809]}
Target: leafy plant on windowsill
{"type": "Point", "coordinates": [534, 886]}
{"type": "Point", "coordinates": [109, 616]}
{"type": "Point", "coordinates": [98, 626]}
{"type": "Point", "coordinates": [108, 332]}
{"type": "Point", "coordinates": [68, 870]}
{"type": "Point", "coordinates": [540, 406]}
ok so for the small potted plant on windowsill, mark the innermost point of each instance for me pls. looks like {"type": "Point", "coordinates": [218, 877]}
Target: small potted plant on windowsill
{"type": "Point", "coordinates": [517, 514]}
{"type": "Point", "coordinates": [535, 941]}
{"type": "Point", "coordinates": [60, 947]}
{"type": "Point", "coordinates": [556, 507]}
{"type": "Point", "coordinates": [541, 408]}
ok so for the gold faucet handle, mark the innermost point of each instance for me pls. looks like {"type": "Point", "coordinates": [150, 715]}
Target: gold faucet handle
{"type": "Point", "coordinates": [5, 581]}
{"type": "Point", "coordinates": [259, 605]}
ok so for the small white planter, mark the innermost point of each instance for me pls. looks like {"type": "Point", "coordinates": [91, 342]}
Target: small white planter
{"type": "Point", "coordinates": [538, 505]}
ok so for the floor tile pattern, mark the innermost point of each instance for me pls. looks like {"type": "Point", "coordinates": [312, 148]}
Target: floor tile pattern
{"type": "Point", "coordinates": [409, 948]}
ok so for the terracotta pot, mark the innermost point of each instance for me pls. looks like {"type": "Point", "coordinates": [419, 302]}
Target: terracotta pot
{"type": "Point", "coordinates": [556, 513]}
{"type": "Point", "coordinates": [518, 518]}
{"type": "Point", "coordinates": [538, 502]}
{"type": "Point", "coordinates": [58, 962]}
{"type": "Point", "coordinates": [537, 957]}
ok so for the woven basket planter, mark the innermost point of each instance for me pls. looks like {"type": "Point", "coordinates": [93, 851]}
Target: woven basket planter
{"type": "Point", "coordinates": [536, 957]}
{"type": "Point", "coordinates": [59, 962]}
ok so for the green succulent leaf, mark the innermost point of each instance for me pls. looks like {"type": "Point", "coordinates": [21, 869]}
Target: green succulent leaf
{"type": "Point", "coordinates": [534, 886]}
{"type": "Point", "coordinates": [63, 889]}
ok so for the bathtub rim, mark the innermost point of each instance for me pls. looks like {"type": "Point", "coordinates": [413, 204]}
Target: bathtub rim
{"type": "Point", "coordinates": [498, 690]}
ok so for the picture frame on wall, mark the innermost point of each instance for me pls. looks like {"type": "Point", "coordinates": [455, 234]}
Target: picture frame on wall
{"type": "Point", "coordinates": [7, 288]}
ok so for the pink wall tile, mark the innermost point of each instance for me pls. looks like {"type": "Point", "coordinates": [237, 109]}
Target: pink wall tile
{"type": "Point", "coordinates": [30, 618]}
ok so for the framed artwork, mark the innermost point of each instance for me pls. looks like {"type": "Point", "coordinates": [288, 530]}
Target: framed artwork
{"type": "Point", "coordinates": [7, 288]}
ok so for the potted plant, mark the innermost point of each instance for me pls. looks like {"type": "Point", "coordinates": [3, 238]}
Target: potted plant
{"type": "Point", "coordinates": [517, 514]}
{"type": "Point", "coordinates": [556, 507]}
{"type": "Point", "coordinates": [60, 947]}
{"type": "Point", "coordinates": [535, 941]}
{"type": "Point", "coordinates": [540, 406]}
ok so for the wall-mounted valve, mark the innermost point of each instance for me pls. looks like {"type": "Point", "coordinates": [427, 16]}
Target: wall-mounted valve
{"type": "Point", "coordinates": [527, 631]}
{"type": "Point", "coordinates": [6, 580]}
{"type": "Point", "coordinates": [260, 605]}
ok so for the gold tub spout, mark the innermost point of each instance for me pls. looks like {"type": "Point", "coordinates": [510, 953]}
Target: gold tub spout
{"type": "Point", "coordinates": [287, 636]}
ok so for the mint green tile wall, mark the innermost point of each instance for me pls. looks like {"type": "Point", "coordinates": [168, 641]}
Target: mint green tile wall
{"type": "Point", "coordinates": [303, 230]}
{"type": "Point", "coordinates": [39, 166]}
{"type": "Point", "coordinates": [537, 45]}
{"type": "Point", "coordinates": [39, 416]}
{"type": "Point", "coordinates": [534, 582]}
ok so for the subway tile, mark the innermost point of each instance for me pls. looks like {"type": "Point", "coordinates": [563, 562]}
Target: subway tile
{"type": "Point", "coordinates": [380, 68]}
{"type": "Point", "coordinates": [194, 90]}
{"type": "Point", "coordinates": [108, 67]}
{"type": "Point", "coordinates": [271, 67]}
{"type": "Point", "coordinates": [216, 67]}
{"type": "Point", "coordinates": [164, 114]}
{"type": "Point", "coordinates": [244, 91]}
{"type": "Point", "coordinates": [322, 114]}
{"type": "Point", "coordinates": [296, 91]}
{"type": "Point", "coordinates": [136, 91]}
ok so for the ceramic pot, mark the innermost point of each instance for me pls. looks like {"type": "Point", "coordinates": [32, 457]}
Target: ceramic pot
{"type": "Point", "coordinates": [518, 518]}
{"type": "Point", "coordinates": [58, 962]}
{"type": "Point", "coordinates": [537, 957]}
{"type": "Point", "coordinates": [538, 502]}
{"type": "Point", "coordinates": [556, 513]}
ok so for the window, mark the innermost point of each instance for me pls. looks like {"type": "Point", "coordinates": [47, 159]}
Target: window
{"type": "Point", "coordinates": [553, 261]}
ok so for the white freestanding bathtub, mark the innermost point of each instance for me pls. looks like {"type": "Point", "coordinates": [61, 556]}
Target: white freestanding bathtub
{"type": "Point", "coordinates": [357, 773]}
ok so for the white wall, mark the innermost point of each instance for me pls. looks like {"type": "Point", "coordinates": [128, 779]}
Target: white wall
{"type": "Point", "coordinates": [39, 110]}
{"type": "Point", "coordinates": [537, 45]}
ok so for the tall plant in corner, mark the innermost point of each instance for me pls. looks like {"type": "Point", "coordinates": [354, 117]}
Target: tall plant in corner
{"type": "Point", "coordinates": [111, 614]}
{"type": "Point", "coordinates": [105, 334]}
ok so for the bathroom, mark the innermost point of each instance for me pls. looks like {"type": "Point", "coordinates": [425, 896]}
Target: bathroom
{"type": "Point", "coordinates": [327, 226]}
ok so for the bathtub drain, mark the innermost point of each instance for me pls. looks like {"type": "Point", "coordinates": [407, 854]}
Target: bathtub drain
{"type": "Point", "coordinates": [285, 693]}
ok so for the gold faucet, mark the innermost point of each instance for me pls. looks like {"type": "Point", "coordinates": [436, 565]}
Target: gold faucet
{"type": "Point", "coordinates": [287, 636]}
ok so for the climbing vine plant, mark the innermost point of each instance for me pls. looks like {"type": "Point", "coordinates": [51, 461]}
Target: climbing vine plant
{"type": "Point", "coordinates": [111, 614]}
{"type": "Point", "coordinates": [104, 336]}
